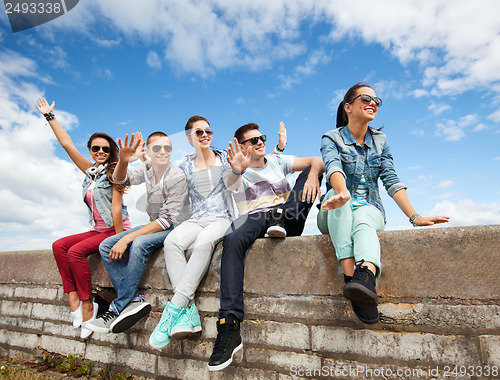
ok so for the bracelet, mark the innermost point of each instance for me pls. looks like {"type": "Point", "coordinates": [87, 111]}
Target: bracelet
{"type": "Point", "coordinates": [49, 116]}
{"type": "Point", "coordinates": [413, 218]}
{"type": "Point", "coordinates": [278, 149]}
{"type": "Point", "coordinates": [238, 173]}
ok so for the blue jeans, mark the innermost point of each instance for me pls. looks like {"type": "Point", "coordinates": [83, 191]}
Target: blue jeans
{"type": "Point", "coordinates": [126, 275]}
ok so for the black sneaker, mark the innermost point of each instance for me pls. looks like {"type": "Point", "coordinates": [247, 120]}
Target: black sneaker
{"type": "Point", "coordinates": [362, 287]}
{"type": "Point", "coordinates": [368, 315]}
{"type": "Point", "coordinates": [228, 342]}
{"type": "Point", "coordinates": [276, 223]}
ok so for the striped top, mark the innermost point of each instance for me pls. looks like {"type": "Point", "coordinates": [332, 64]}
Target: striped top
{"type": "Point", "coordinates": [266, 187]}
{"type": "Point", "coordinates": [360, 196]}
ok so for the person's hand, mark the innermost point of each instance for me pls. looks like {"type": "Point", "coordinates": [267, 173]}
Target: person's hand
{"type": "Point", "coordinates": [128, 149]}
{"type": "Point", "coordinates": [282, 136]}
{"type": "Point", "coordinates": [311, 189]}
{"type": "Point", "coordinates": [422, 221]}
{"type": "Point", "coordinates": [237, 158]}
{"type": "Point", "coordinates": [44, 107]}
{"type": "Point", "coordinates": [140, 153]}
{"type": "Point", "coordinates": [336, 201]}
{"type": "Point", "coordinates": [118, 250]}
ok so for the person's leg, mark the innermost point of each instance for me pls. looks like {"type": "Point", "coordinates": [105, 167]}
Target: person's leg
{"type": "Point", "coordinates": [367, 220]}
{"type": "Point", "coordinates": [115, 269]}
{"type": "Point", "coordinates": [175, 245]}
{"type": "Point", "coordinates": [199, 261]}
{"type": "Point", "coordinates": [296, 209]}
{"type": "Point", "coordinates": [240, 236]}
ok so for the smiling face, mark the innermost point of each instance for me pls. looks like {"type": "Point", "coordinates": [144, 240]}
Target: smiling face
{"type": "Point", "coordinates": [359, 110]}
{"type": "Point", "coordinates": [100, 157]}
{"type": "Point", "coordinates": [161, 156]}
{"type": "Point", "coordinates": [259, 149]}
{"type": "Point", "coordinates": [204, 141]}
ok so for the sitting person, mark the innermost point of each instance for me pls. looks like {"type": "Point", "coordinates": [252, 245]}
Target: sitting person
{"type": "Point", "coordinates": [166, 190]}
{"type": "Point", "coordinates": [267, 205]}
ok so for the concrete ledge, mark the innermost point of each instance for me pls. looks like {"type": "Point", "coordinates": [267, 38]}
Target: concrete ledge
{"type": "Point", "coordinates": [440, 305]}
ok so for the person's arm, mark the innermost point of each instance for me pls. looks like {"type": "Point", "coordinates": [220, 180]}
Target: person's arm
{"type": "Point", "coordinates": [62, 136]}
{"type": "Point", "coordinates": [177, 197]}
{"type": "Point", "coordinates": [337, 180]}
{"type": "Point", "coordinates": [401, 199]}
{"type": "Point", "coordinates": [312, 186]}
{"type": "Point", "coordinates": [127, 152]}
{"type": "Point", "coordinates": [121, 245]}
{"type": "Point", "coordinates": [281, 140]}
{"type": "Point", "coordinates": [116, 210]}
{"type": "Point", "coordinates": [239, 161]}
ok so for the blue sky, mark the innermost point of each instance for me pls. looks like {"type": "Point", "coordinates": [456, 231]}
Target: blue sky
{"type": "Point", "coordinates": [125, 66]}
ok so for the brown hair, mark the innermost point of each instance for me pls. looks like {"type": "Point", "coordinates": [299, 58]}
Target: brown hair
{"type": "Point", "coordinates": [244, 129]}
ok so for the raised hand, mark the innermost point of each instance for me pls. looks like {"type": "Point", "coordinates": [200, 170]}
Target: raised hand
{"type": "Point", "coordinates": [44, 107]}
{"type": "Point", "coordinates": [140, 153]}
{"type": "Point", "coordinates": [282, 136]}
{"type": "Point", "coordinates": [237, 158]}
{"type": "Point", "coordinates": [128, 149]}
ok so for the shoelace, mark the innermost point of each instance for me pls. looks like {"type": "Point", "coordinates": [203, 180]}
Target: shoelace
{"type": "Point", "coordinates": [225, 332]}
{"type": "Point", "coordinates": [363, 274]}
{"type": "Point", "coordinates": [166, 322]}
{"type": "Point", "coordinates": [108, 315]}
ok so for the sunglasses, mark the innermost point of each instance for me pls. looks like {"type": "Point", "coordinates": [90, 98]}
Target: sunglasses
{"type": "Point", "coordinates": [200, 132]}
{"type": "Point", "coordinates": [157, 148]}
{"type": "Point", "coordinates": [255, 140]}
{"type": "Point", "coordinates": [96, 148]}
{"type": "Point", "coordinates": [367, 99]}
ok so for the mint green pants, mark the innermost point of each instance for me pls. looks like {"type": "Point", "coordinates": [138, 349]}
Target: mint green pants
{"type": "Point", "coordinates": [353, 230]}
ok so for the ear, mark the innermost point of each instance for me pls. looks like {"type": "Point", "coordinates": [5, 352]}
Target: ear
{"type": "Point", "coordinates": [347, 108]}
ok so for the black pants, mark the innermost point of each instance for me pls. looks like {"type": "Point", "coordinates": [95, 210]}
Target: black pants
{"type": "Point", "coordinates": [241, 235]}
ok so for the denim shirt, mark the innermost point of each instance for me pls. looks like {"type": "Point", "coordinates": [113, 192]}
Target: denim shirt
{"type": "Point", "coordinates": [219, 202]}
{"type": "Point", "coordinates": [342, 153]}
{"type": "Point", "coordinates": [103, 193]}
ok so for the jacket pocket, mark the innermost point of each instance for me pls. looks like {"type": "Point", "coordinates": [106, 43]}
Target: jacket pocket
{"type": "Point", "coordinates": [375, 164]}
{"type": "Point", "coordinates": [348, 162]}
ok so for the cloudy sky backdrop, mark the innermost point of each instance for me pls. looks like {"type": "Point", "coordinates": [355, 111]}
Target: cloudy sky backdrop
{"type": "Point", "coordinates": [120, 66]}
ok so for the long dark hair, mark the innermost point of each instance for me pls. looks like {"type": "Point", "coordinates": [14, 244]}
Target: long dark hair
{"type": "Point", "coordinates": [342, 119]}
{"type": "Point", "coordinates": [112, 159]}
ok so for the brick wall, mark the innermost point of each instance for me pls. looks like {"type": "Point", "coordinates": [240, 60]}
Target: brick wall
{"type": "Point", "coordinates": [439, 303]}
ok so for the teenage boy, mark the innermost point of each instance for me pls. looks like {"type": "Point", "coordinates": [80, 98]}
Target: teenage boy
{"type": "Point", "coordinates": [268, 206]}
{"type": "Point", "coordinates": [166, 190]}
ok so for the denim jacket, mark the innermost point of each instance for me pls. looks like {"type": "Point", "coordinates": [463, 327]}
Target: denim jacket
{"type": "Point", "coordinates": [103, 192]}
{"type": "Point", "coordinates": [342, 153]}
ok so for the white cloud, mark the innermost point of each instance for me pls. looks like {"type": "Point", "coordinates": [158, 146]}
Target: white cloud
{"type": "Point", "coordinates": [439, 108]}
{"type": "Point", "coordinates": [455, 130]}
{"type": "Point", "coordinates": [467, 212]}
{"type": "Point", "coordinates": [154, 61]}
{"type": "Point", "coordinates": [444, 184]}
{"type": "Point", "coordinates": [317, 57]}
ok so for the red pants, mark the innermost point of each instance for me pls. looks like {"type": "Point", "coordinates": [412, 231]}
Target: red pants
{"type": "Point", "coordinates": [71, 254]}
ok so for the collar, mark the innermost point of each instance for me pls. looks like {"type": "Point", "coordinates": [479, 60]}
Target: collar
{"type": "Point", "coordinates": [349, 139]}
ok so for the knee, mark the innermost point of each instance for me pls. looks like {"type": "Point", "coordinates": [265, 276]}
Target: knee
{"type": "Point", "coordinates": [172, 243]}
{"type": "Point", "coordinates": [57, 247]}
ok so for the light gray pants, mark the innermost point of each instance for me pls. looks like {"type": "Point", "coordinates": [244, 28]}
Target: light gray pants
{"type": "Point", "coordinates": [185, 276]}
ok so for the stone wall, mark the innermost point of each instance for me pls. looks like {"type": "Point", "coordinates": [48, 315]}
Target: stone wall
{"type": "Point", "coordinates": [439, 303]}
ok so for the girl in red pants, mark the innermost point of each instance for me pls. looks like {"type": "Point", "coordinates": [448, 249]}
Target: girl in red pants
{"type": "Point", "coordinates": [107, 216]}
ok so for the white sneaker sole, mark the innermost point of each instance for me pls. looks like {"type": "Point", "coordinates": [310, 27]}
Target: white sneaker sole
{"type": "Point", "coordinates": [154, 345]}
{"type": "Point", "coordinates": [276, 232]}
{"type": "Point", "coordinates": [227, 362]}
{"type": "Point", "coordinates": [182, 332]}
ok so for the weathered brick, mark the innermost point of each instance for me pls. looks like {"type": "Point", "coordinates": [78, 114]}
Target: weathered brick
{"type": "Point", "coordinates": [209, 328]}
{"type": "Point", "coordinates": [15, 308]}
{"type": "Point", "coordinates": [36, 293]}
{"type": "Point", "coordinates": [51, 312]}
{"type": "Point", "coordinates": [182, 369]}
{"type": "Point", "coordinates": [405, 346]}
{"type": "Point", "coordinates": [137, 360]}
{"type": "Point", "coordinates": [62, 346]}
{"type": "Point", "coordinates": [238, 373]}
{"type": "Point", "coordinates": [18, 339]}
{"type": "Point", "coordinates": [6, 291]}
{"type": "Point", "coordinates": [110, 339]}
{"type": "Point", "coordinates": [61, 329]}
{"type": "Point", "coordinates": [490, 349]}
{"type": "Point", "coordinates": [291, 335]}
{"type": "Point", "coordinates": [14, 323]}
{"type": "Point", "coordinates": [283, 360]}
{"type": "Point", "coordinates": [140, 341]}
{"type": "Point", "coordinates": [101, 354]}
{"type": "Point", "coordinates": [465, 316]}
{"type": "Point", "coordinates": [197, 348]}
{"type": "Point", "coordinates": [208, 304]}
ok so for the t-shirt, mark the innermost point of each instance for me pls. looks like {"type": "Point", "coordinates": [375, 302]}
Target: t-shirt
{"type": "Point", "coordinates": [266, 187]}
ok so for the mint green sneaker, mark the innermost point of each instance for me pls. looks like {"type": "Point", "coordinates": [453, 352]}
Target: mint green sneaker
{"type": "Point", "coordinates": [188, 323]}
{"type": "Point", "coordinates": [160, 336]}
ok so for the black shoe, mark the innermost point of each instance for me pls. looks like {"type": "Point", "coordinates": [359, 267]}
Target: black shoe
{"type": "Point", "coordinates": [102, 304]}
{"type": "Point", "coordinates": [228, 342]}
{"type": "Point", "coordinates": [362, 287]}
{"type": "Point", "coordinates": [368, 315]}
{"type": "Point", "coordinates": [276, 223]}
